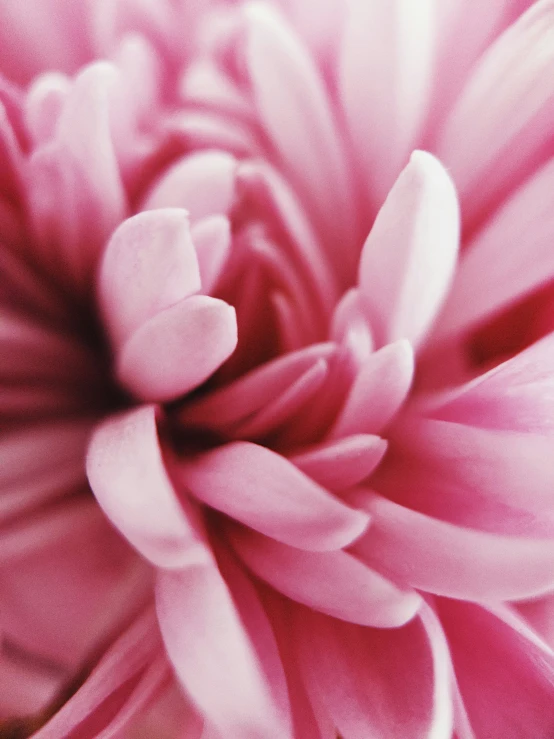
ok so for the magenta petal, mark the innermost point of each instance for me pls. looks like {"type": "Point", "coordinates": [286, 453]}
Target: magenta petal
{"type": "Point", "coordinates": [212, 654]}
{"type": "Point", "coordinates": [122, 685]}
{"type": "Point", "coordinates": [338, 465]}
{"type": "Point", "coordinates": [177, 349]}
{"type": "Point", "coordinates": [127, 474]}
{"type": "Point", "coordinates": [149, 264]}
{"type": "Point", "coordinates": [474, 565]}
{"type": "Point", "coordinates": [511, 670]}
{"type": "Point", "coordinates": [409, 257]}
{"type": "Point", "coordinates": [378, 391]}
{"type": "Point", "coordinates": [379, 683]}
{"type": "Point", "coordinates": [263, 490]}
{"type": "Point", "coordinates": [334, 583]}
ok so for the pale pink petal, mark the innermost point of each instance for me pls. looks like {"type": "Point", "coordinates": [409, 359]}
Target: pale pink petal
{"type": "Point", "coordinates": [247, 395]}
{"type": "Point", "coordinates": [508, 259]}
{"type": "Point", "coordinates": [385, 74]}
{"type": "Point", "coordinates": [517, 395]}
{"type": "Point", "coordinates": [212, 654]}
{"type": "Point", "coordinates": [203, 183]}
{"type": "Point", "coordinates": [287, 405]}
{"type": "Point", "coordinates": [149, 265]}
{"type": "Point", "coordinates": [514, 85]}
{"type": "Point", "coordinates": [510, 669]}
{"type": "Point", "coordinates": [262, 185]}
{"type": "Point", "coordinates": [263, 490]}
{"type": "Point", "coordinates": [409, 257]}
{"type": "Point", "coordinates": [177, 349]}
{"type": "Point", "coordinates": [211, 130]}
{"type": "Point", "coordinates": [338, 465]}
{"type": "Point", "coordinates": [378, 391]}
{"type": "Point", "coordinates": [122, 684]}
{"type": "Point", "coordinates": [43, 105]}
{"type": "Point", "coordinates": [349, 326]}
{"type": "Point", "coordinates": [382, 684]}
{"type": "Point", "coordinates": [295, 111]}
{"type": "Point", "coordinates": [211, 237]}
{"type": "Point", "coordinates": [75, 189]}
{"type": "Point", "coordinates": [127, 474]}
{"type": "Point", "coordinates": [446, 559]}
{"type": "Point", "coordinates": [335, 583]}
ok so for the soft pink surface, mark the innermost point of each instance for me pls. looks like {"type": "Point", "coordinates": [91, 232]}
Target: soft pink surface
{"type": "Point", "coordinates": [276, 369]}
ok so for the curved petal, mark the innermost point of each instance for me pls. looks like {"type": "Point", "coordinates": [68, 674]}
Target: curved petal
{"type": "Point", "coordinates": [474, 565]}
{"type": "Point", "coordinates": [378, 391]}
{"type": "Point", "coordinates": [295, 112]}
{"type": "Point", "coordinates": [263, 490]}
{"type": "Point", "coordinates": [500, 663]}
{"type": "Point", "coordinates": [203, 183]}
{"type": "Point", "coordinates": [122, 684]}
{"type": "Point", "coordinates": [212, 653]}
{"type": "Point", "coordinates": [334, 583]}
{"type": "Point", "coordinates": [127, 474]}
{"type": "Point", "coordinates": [338, 465]}
{"type": "Point", "coordinates": [211, 237]}
{"type": "Point", "coordinates": [380, 683]}
{"type": "Point", "coordinates": [409, 257]}
{"type": "Point", "coordinates": [149, 265]}
{"type": "Point", "coordinates": [177, 349]}
{"type": "Point", "coordinates": [513, 83]}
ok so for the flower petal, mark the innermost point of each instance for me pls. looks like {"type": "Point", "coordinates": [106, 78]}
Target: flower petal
{"type": "Point", "coordinates": [385, 75]}
{"type": "Point", "coordinates": [149, 265]}
{"type": "Point", "coordinates": [378, 391]}
{"type": "Point", "coordinates": [513, 82]}
{"type": "Point", "coordinates": [295, 112]}
{"type": "Point", "coordinates": [338, 465]}
{"type": "Point", "coordinates": [263, 490]}
{"type": "Point", "coordinates": [409, 257]}
{"type": "Point", "coordinates": [122, 684]}
{"type": "Point", "coordinates": [511, 670]}
{"type": "Point", "coordinates": [506, 260]}
{"type": "Point", "coordinates": [211, 237]}
{"type": "Point", "coordinates": [474, 565]}
{"type": "Point", "coordinates": [359, 674]}
{"type": "Point", "coordinates": [203, 183]}
{"type": "Point", "coordinates": [177, 349]}
{"type": "Point", "coordinates": [212, 654]}
{"type": "Point", "coordinates": [334, 583]}
{"type": "Point", "coordinates": [127, 474]}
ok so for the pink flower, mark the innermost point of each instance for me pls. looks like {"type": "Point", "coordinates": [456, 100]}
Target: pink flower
{"type": "Point", "coordinates": [281, 274]}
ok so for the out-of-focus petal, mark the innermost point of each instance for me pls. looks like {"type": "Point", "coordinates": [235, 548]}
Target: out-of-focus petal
{"type": "Point", "coordinates": [513, 83]}
{"type": "Point", "coordinates": [203, 183]}
{"type": "Point", "coordinates": [409, 257]}
{"type": "Point", "coordinates": [385, 81]}
{"type": "Point", "coordinates": [508, 259]}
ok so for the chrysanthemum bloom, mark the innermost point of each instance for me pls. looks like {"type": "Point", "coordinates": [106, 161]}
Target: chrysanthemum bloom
{"type": "Point", "coordinates": [279, 277]}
